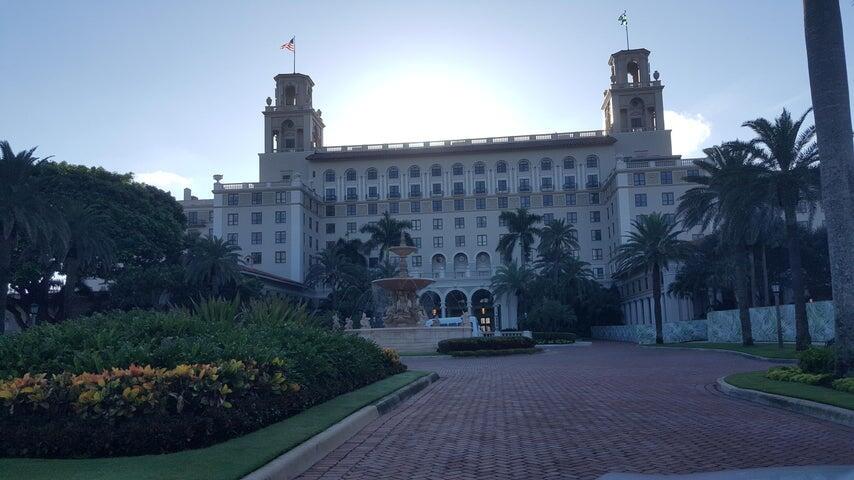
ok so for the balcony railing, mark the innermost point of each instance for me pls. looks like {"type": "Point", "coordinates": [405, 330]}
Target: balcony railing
{"type": "Point", "coordinates": [352, 196]}
{"type": "Point", "coordinates": [592, 184]}
{"type": "Point", "coordinates": [415, 194]}
{"type": "Point", "coordinates": [435, 193]}
{"type": "Point", "coordinates": [459, 191]}
{"type": "Point", "coordinates": [524, 188]}
{"type": "Point", "coordinates": [462, 273]}
{"type": "Point", "coordinates": [393, 194]}
{"type": "Point", "coordinates": [331, 198]}
{"type": "Point", "coordinates": [547, 188]}
{"type": "Point", "coordinates": [569, 186]}
{"type": "Point", "coordinates": [373, 196]}
{"type": "Point", "coordinates": [479, 191]}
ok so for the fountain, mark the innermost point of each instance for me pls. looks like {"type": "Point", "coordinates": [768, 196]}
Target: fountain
{"type": "Point", "coordinates": [404, 309]}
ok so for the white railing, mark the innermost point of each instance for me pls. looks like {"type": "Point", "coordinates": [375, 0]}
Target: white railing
{"type": "Point", "coordinates": [653, 83]}
{"type": "Point", "coordinates": [464, 141]}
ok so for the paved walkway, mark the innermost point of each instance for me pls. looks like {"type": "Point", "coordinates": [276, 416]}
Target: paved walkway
{"type": "Point", "coordinates": [580, 412]}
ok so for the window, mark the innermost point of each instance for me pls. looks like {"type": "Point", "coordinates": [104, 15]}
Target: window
{"type": "Point", "coordinates": [639, 179]}
{"type": "Point", "coordinates": [281, 197]}
{"type": "Point", "coordinates": [480, 203]}
{"type": "Point", "coordinates": [593, 181]}
{"type": "Point", "coordinates": [330, 228]}
{"type": "Point", "coordinates": [459, 223]}
{"type": "Point", "coordinates": [231, 238]}
{"type": "Point", "coordinates": [693, 172]}
{"type": "Point", "coordinates": [330, 210]}
{"type": "Point", "coordinates": [640, 199]}
{"type": "Point", "coordinates": [570, 199]}
{"type": "Point", "coordinates": [350, 175]}
{"type": "Point", "coordinates": [435, 171]}
{"type": "Point", "coordinates": [351, 210]}
{"type": "Point", "coordinates": [415, 207]}
{"type": "Point", "coordinates": [329, 175]}
{"type": "Point", "coordinates": [524, 166]}
{"type": "Point", "coordinates": [281, 256]}
{"type": "Point", "coordinates": [351, 193]}
{"type": "Point", "coordinates": [545, 164]}
{"type": "Point", "coordinates": [597, 254]}
{"type": "Point", "coordinates": [480, 186]}
{"type": "Point", "coordinates": [502, 185]}
{"type": "Point", "coordinates": [459, 204]}
{"type": "Point", "coordinates": [501, 167]}
{"type": "Point", "coordinates": [330, 195]}
{"type": "Point", "coordinates": [569, 182]}
{"type": "Point", "coordinates": [459, 189]}
{"type": "Point", "coordinates": [351, 227]}
{"type": "Point", "coordinates": [414, 172]}
{"type": "Point", "coordinates": [525, 201]}
{"type": "Point", "coordinates": [233, 199]}
{"type": "Point", "coordinates": [599, 272]}
{"type": "Point", "coordinates": [232, 219]}
{"type": "Point", "coordinates": [457, 169]}
{"type": "Point", "coordinates": [437, 205]}
{"type": "Point", "coordinates": [437, 189]}
{"type": "Point", "coordinates": [592, 161]}
{"type": "Point", "coordinates": [594, 198]}
{"type": "Point", "coordinates": [460, 240]}
{"type": "Point", "coordinates": [255, 258]}
{"type": "Point", "coordinates": [438, 242]}
{"type": "Point", "coordinates": [596, 235]}
{"type": "Point", "coordinates": [548, 217]}
{"type": "Point", "coordinates": [481, 240]}
{"type": "Point", "coordinates": [479, 168]}
{"type": "Point", "coordinates": [393, 173]}
{"type": "Point", "coordinates": [437, 224]}
{"type": "Point", "coordinates": [595, 216]}
{"type": "Point", "coordinates": [416, 260]}
{"type": "Point", "coordinates": [546, 183]}
{"type": "Point", "coordinates": [193, 218]}
{"type": "Point", "coordinates": [256, 198]}
{"type": "Point", "coordinates": [416, 241]}
{"type": "Point", "coordinates": [281, 216]}
{"type": "Point", "coordinates": [394, 191]}
{"type": "Point", "coordinates": [572, 217]}
{"type": "Point", "coordinates": [372, 209]}
{"type": "Point", "coordinates": [568, 163]}
{"type": "Point", "coordinates": [256, 238]}
{"type": "Point", "coordinates": [371, 174]}
{"type": "Point", "coordinates": [415, 190]}
{"type": "Point", "coordinates": [256, 218]}
{"type": "Point", "coordinates": [548, 200]}
{"type": "Point", "coordinates": [416, 224]}
{"type": "Point", "coordinates": [666, 177]}
{"type": "Point", "coordinates": [667, 198]}
{"type": "Point", "coordinates": [281, 236]}
{"type": "Point", "coordinates": [669, 218]}
{"type": "Point", "coordinates": [481, 222]}
{"type": "Point", "coordinates": [393, 207]}
{"type": "Point", "coordinates": [503, 202]}
{"type": "Point", "coordinates": [524, 184]}
{"type": "Point", "coordinates": [502, 222]}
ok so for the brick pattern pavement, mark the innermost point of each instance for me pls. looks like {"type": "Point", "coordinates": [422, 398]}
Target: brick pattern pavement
{"type": "Point", "coordinates": [580, 412]}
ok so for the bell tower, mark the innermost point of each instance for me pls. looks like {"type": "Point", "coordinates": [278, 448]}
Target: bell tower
{"type": "Point", "coordinates": [291, 124]}
{"type": "Point", "coordinates": [634, 102]}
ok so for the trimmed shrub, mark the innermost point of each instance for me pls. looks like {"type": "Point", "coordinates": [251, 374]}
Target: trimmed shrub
{"type": "Point", "coordinates": [484, 343]}
{"type": "Point", "coordinates": [549, 316]}
{"type": "Point", "coordinates": [816, 360]}
{"type": "Point", "coordinates": [844, 384]}
{"type": "Point", "coordinates": [553, 338]}
{"type": "Point", "coordinates": [795, 374]}
{"type": "Point", "coordinates": [495, 353]}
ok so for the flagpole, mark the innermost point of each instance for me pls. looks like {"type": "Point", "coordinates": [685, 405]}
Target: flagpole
{"type": "Point", "coordinates": [627, 36]}
{"type": "Point", "coordinates": [295, 53]}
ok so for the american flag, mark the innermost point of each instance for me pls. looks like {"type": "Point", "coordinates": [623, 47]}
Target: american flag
{"type": "Point", "coordinates": [290, 45]}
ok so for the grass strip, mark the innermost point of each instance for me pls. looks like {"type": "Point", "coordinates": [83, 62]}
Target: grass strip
{"type": "Point", "coordinates": [758, 381]}
{"type": "Point", "coordinates": [228, 460]}
{"type": "Point", "coordinates": [767, 350]}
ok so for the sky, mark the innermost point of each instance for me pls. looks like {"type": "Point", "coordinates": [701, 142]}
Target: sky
{"type": "Point", "coordinates": [173, 90]}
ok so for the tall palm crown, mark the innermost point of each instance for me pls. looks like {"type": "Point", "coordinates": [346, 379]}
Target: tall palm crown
{"type": "Point", "coordinates": [512, 279]}
{"type": "Point", "coordinates": [558, 239]}
{"type": "Point", "coordinates": [386, 233]}
{"type": "Point", "coordinates": [521, 230]}
{"type": "Point", "coordinates": [214, 263]}
{"type": "Point", "coordinates": [89, 246]}
{"type": "Point", "coordinates": [331, 268]}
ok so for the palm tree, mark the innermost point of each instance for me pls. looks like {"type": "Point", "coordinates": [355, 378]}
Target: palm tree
{"type": "Point", "coordinates": [650, 248]}
{"type": "Point", "coordinates": [213, 263]}
{"type": "Point", "coordinates": [558, 239]}
{"type": "Point", "coordinates": [829, 86]}
{"type": "Point", "coordinates": [386, 233]}
{"type": "Point", "coordinates": [88, 246]}
{"type": "Point", "coordinates": [513, 279]}
{"type": "Point", "coordinates": [790, 160]}
{"type": "Point", "coordinates": [521, 229]}
{"type": "Point", "coordinates": [333, 269]}
{"type": "Point", "coordinates": [24, 212]}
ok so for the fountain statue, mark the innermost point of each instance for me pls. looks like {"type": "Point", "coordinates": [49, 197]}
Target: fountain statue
{"type": "Point", "coordinates": [404, 309]}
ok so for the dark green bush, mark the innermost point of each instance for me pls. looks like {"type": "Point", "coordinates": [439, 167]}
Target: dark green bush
{"type": "Point", "coordinates": [484, 343]}
{"type": "Point", "coordinates": [325, 364]}
{"type": "Point", "coordinates": [816, 360]}
{"type": "Point", "coordinates": [554, 338]}
{"type": "Point", "coordinates": [549, 316]}
{"type": "Point", "coordinates": [495, 353]}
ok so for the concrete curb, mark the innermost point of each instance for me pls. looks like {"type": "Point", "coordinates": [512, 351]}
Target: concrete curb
{"type": "Point", "coordinates": [797, 405]}
{"type": "Point", "coordinates": [293, 463]}
{"type": "Point", "coordinates": [574, 344]}
{"type": "Point", "coordinates": [748, 355]}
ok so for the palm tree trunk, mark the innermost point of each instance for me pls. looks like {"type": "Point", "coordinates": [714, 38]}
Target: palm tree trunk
{"type": "Point", "coordinates": [830, 99]}
{"type": "Point", "coordinates": [766, 293]}
{"type": "Point", "coordinates": [5, 274]}
{"type": "Point", "coordinates": [743, 302]}
{"type": "Point", "coordinates": [802, 332]}
{"type": "Point", "coordinates": [754, 284]}
{"type": "Point", "coordinates": [72, 277]}
{"type": "Point", "coordinates": [656, 293]}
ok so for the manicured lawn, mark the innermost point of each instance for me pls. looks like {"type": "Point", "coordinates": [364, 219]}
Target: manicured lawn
{"type": "Point", "coordinates": [757, 381]}
{"type": "Point", "coordinates": [768, 350]}
{"type": "Point", "coordinates": [225, 461]}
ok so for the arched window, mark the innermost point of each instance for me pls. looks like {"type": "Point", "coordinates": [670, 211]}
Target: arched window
{"type": "Point", "coordinates": [524, 166]}
{"type": "Point", "coordinates": [457, 169]}
{"type": "Point", "coordinates": [371, 174]}
{"type": "Point", "coordinates": [393, 172]}
{"type": "Point", "coordinates": [546, 164]}
{"type": "Point", "coordinates": [290, 95]}
{"type": "Point", "coordinates": [436, 171]}
{"type": "Point", "coordinates": [414, 172]}
{"type": "Point", "coordinates": [483, 262]}
{"type": "Point", "coordinates": [592, 161]}
{"type": "Point", "coordinates": [479, 168]}
{"type": "Point", "coordinates": [636, 114]}
{"type": "Point", "coordinates": [350, 175]}
{"type": "Point", "coordinates": [568, 163]}
{"type": "Point", "coordinates": [461, 262]}
{"type": "Point", "coordinates": [633, 69]}
{"type": "Point", "coordinates": [329, 175]}
{"type": "Point", "coordinates": [501, 167]}
{"type": "Point", "coordinates": [438, 263]}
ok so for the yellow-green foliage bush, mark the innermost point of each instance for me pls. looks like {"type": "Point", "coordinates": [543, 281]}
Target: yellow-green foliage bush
{"type": "Point", "coordinates": [795, 374]}
{"type": "Point", "coordinates": [844, 384]}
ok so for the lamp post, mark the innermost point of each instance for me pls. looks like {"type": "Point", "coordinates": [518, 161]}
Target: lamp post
{"type": "Point", "coordinates": [775, 287]}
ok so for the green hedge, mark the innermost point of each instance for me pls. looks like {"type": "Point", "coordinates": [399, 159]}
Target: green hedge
{"type": "Point", "coordinates": [553, 338]}
{"type": "Point", "coordinates": [319, 365]}
{"type": "Point", "coordinates": [816, 360]}
{"type": "Point", "coordinates": [494, 353]}
{"type": "Point", "coordinates": [484, 343]}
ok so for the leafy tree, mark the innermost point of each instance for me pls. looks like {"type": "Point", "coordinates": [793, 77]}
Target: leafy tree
{"type": "Point", "coordinates": [386, 233]}
{"type": "Point", "coordinates": [558, 240]}
{"type": "Point", "coordinates": [513, 279]}
{"type": "Point", "coordinates": [549, 316]}
{"type": "Point", "coordinates": [212, 264]}
{"type": "Point", "coordinates": [25, 213]}
{"type": "Point", "coordinates": [333, 269]}
{"type": "Point", "coordinates": [521, 230]}
{"type": "Point", "coordinates": [789, 157]}
{"type": "Point", "coordinates": [651, 248]}
{"type": "Point", "coordinates": [88, 247]}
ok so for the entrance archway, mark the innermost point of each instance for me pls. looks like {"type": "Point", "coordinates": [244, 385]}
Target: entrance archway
{"type": "Point", "coordinates": [431, 302]}
{"type": "Point", "coordinates": [483, 307]}
{"type": "Point", "coordinates": [456, 303]}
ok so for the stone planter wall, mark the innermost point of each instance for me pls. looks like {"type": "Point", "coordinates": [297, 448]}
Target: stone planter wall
{"type": "Point", "coordinates": [412, 339]}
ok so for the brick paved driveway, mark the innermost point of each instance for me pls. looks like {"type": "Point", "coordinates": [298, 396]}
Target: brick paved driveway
{"type": "Point", "coordinates": [579, 412]}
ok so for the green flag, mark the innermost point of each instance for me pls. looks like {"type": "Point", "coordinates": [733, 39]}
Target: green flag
{"type": "Point", "coordinates": [623, 19]}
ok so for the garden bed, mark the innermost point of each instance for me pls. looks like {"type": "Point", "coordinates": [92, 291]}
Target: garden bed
{"type": "Point", "coordinates": [553, 338]}
{"type": "Point", "coordinates": [758, 381]}
{"type": "Point", "coordinates": [484, 343]}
